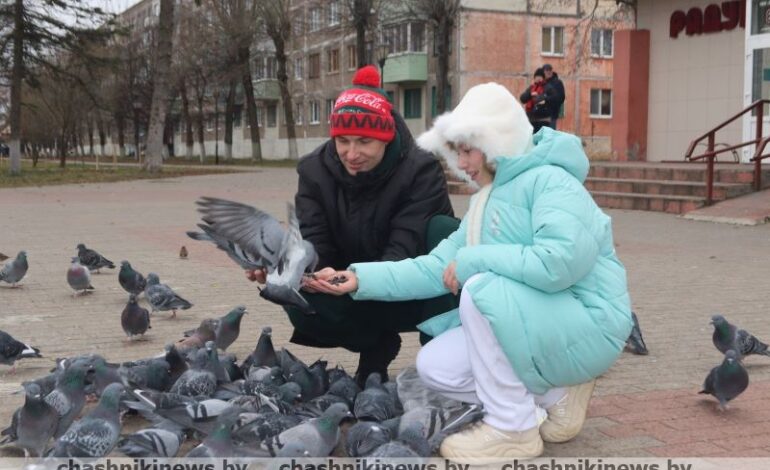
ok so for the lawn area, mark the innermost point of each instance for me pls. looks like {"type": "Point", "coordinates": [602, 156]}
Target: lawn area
{"type": "Point", "coordinates": [48, 173]}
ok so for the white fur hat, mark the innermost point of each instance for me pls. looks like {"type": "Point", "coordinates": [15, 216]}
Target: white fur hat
{"type": "Point", "coordinates": [488, 118]}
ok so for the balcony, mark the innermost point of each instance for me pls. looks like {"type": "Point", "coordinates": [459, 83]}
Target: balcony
{"type": "Point", "coordinates": [267, 89]}
{"type": "Point", "coordinates": [406, 67]}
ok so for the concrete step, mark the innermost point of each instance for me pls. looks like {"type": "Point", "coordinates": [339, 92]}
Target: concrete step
{"type": "Point", "coordinates": [676, 188]}
{"type": "Point", "coordinates": [647, 202]}
{"type": "Point", "coordinates": [723, 173]}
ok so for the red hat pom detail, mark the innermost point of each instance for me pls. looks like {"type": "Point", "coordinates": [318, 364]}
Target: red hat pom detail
{"type": "Point", "coordinates": [367, 76]}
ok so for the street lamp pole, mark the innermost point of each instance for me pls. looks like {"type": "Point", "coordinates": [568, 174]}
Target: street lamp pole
{"type": "Point", "coordinates": [383, 51]}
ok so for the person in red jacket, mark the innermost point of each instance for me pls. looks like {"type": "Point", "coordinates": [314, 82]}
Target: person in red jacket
{"type": "Point", "coordinates": [535, 104]}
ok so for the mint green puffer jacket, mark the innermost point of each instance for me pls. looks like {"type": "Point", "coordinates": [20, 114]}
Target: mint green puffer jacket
{"type": "Point", "coordinates": [551, 287]}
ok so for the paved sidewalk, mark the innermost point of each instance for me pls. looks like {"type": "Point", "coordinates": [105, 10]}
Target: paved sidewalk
{"type": "Point", "coordinates": [680, 273]}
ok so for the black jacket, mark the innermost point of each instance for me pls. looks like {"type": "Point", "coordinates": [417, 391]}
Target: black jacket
{"type": "Point", "coordinates": [377, 215]}
{"type": "Point", "coordinates": [554, 95]}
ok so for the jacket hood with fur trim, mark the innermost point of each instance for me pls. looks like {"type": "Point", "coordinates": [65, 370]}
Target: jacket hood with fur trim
{"type": "Point", "coordinates": [488, 118]}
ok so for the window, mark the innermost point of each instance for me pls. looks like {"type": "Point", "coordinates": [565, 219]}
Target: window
{"type": "Point", "coordinates": [299, 68]}
{"type": "Point", "coordinates": [298, 112]}
{"type": "Point", "coordinates": [259, 68]}
{"type": "Point", "coordinates": [272, 115]}
{"type": "Point", "coordinates": [447, 100]}
{"type": "Point", "coordinates": [315, 19]}
{"type": "Point", "coordinates": [332, 60]}
{"type": "Point", "coordinates": [553, 40]}
{"type": "Point", "coordinates": [314, 113]}
{"type": "Point", "coordinates": [413, 103]}
{"type": "Point", "coordinates": [601, 42]}
{"type": "Point", "coordinates": [417, 37]}
{"type": "Point", "coordinates": [314, 66]}
{"type": "Point", "coordinates": [329, 109]}
{"type": "Point", "coordinates": [352, 58]}
{"type": "Point", "coordinates": [396, 37]}
{"type": "Point", "coordinates": [298, 25]}
{"type": "Point", "coordinates": [334, 13]}
{"type": "Point", "coordinates": [601, 103]}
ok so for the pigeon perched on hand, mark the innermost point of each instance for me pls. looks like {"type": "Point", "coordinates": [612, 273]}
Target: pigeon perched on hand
{"type": "Point", "coordinates": [134, 319]}
{"type": "Point", "coordinates": [15, 270]}
{"type": "Point", "coordinates": [79, 277]}
{"type": "Point", "coordinates": [93, 260]}
{"type": "Point", "coordinates": [33, 424]}
{"type": "Point", "coordinates": [12, 350]}
{"type": "Point", "coordinates": [726, 381]}
{"type": "Point", "coordinates": [256, 240]}
{"type": "Point", "coordinates": [130, 280]}
{"type": "Point", "coordinates": [162, 297]}
{"type": "Point", "coordinates": [727, 336]}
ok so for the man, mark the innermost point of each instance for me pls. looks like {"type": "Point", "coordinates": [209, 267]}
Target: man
{"type": "Point", "coordinates": [368, 194]}
{"type": "Point", "coordinates": [554, 92]}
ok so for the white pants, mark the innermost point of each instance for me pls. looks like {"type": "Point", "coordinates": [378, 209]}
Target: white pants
{"type": "Point", "coordinates": [467, 364]}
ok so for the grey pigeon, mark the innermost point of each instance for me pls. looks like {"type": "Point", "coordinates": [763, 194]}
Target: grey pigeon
{"type": "Point", "coordinates": [364, 437]}
{"type": "Point", "coordinates": [726, 381]}
{"type": "Point", "coordinates": [214, 365]}
{"type": "Point", "coordinates": [96, 434]}
{"type": "Point", "coordinates": [196, 381]}
{"type": "Point", "coordinates": [154, 374]}
{"type": "Point", "coordinates": [130, 280]}
{"type": "Point", "coordinates": [12, 350]}
{"type": "Point", "coordinates": [311, 385]}
{"type": "Point", "coordinates": [727, 336]}
{"type": "Point", "coordinates": [79, 277]}
{"type": "Point", "coordinates": [434, 420]}
{"type": "Point", "coordinates": [134, 319]}
{"type": "Point", "coordinates": [220, 443]}
{"type": "Point", "coordinates": [14, 271]}
{"type": "Point", "coordinates": [319, 436]}
{"type": "Point", "coordinates": [69, 396]}
{"type": "Point", "coordinates": [33, 424]}
{"type": "Point", "coordinates": [263, 354]}
{"type": "Point", "coordinates": [635, 342]}
{"type": "Point", "coordinates": [410, 443]}
{"type": "Point", "coordinates": [93, 260]}
{"type": "Point", "coordinates": [162, 440]}
{"type": "Point", "coordinates": [264, 426]}
{"type": "Point", "coordinates": [227, 328]}
{"type": "Point", "coordinates": [262, 239]}
{"type": "Point", "coordinates": [162, 298]}
{"type": "Point", "coordinates": [102, 375]}
{"type": "Point", "coordinates": [374, 402]}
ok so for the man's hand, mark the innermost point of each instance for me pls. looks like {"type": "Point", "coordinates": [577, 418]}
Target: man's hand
{"type": "Point", "coordinates": [257, 275]}
{"type": "Point", "coordinates": [450, 278]}
{"type": "Point", "coordinates": [334, 282]}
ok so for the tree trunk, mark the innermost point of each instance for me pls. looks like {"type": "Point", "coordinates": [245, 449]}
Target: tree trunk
{"type": "Point", "coordinates": [120, 124]}
{"type": "Point", "coordinates": [161, 89]}
{"type": "Point", "coordinates": [360, 19]}
{"type": "Point", "coordinates": [62, 149]}
{"type": "Point", "coordinates": [251, 107]}
{"type": "Point", "coordinates": [102, 135]}
{"type": "Point", "coordinates": [17, 75]}
{"type": "Point", "coordinates": [201, 134]}
{"type": "Point", "coordinates": [136, 134]}
{"type": "Point", "coordinates": [229, 113]}
{"type": "Point", "coordinates": [188, 131]}
{"type": "Point", "coordinates": [91, 138]}
{"type": "Point", "coordinates": [216, 128]}
{"type": "Point", "coordinates": [283, 84]}
{"type": "Point", "coordinates": [442, 74]}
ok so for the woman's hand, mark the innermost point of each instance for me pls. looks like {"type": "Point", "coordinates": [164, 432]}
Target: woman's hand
{"type": "Point", "coordinates": [450, 278]}
{"type": "Point", "coordinates": [334, 282]}
{"type": "Point", "coordinates": [310, 281]}
{"type": "Point", "coordinates": [257, 275]}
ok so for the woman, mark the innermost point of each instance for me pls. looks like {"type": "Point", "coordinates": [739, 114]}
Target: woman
{"type": "Point", "coordinates": [535, 104]}
{"type": "Point", "coordinates": [544, 308]}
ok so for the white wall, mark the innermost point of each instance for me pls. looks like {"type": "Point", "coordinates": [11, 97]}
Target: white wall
{"type": "Point", "coordinates": [696, 82]}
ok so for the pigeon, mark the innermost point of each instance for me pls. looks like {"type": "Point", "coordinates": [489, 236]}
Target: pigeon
{"type": "Point", "coordinates": [374, 402]}
{"type": "Point", "coordinates": [12, 350]}
{"type": "Point", "coordinates": [69, 396]}
{"type": "Point", "coordinates": [196, 381]}
{"type": "Point", "coordinates": [410, 443]}
{"type": "Point", "coordinates": [131, 281]}
{"type": "Point", "coordinates": [205, 332]}
{"type": "Point", "coordinates": [162, 440]}
{"type": "Point", "coordinates": [154, 374]}
{"type": "Point", "coordinates": [264, 426]}
{"type": "Point", "coordinates": [227, 328]}
{"type": "Point", "coordinates": [220, 442]}
{"type": "Point", "coordinates": [435, 423]}
{"type": "Point", "coordinates": [162, 297]}
{"type": "Point", "coordinates": [727, 380]}
{"type": "Point", "coordinates": [319, 435]}
{"type": "Point", "coordinates": [183, 252]}
{"type": "Point", "coordinates": [14, 271]}
{"type": "Point", "coordinates": [33, 424]}
{"type": "Point", "coordinates": [311, 385]}
{"type": "Point", "coordinates": [96, 434]}
{"type": "Point", "coordinates": [635, 342]}
{"type": "Point", "coordinates": [364, 437]}
{"type": "Point", "coordinates": [135, 320]}
{"type": "Point", "coordinates": [263, 354]}
{"type": "Point", "coordinates": [93, 260]}
{"type": "Point", "coordinates": [727, 336]}
{"type": "Point", "coordinates": [79, 277]}
{"type": "Point", "coordinates": [102, 375]}
{"type": "Point", "coordinates": [245, 232]}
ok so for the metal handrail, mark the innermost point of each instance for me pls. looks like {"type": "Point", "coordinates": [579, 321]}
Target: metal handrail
{"type": "Point", "coordinates": [757, 159]}
{"type": "Point", "coordinates": [711, 153]}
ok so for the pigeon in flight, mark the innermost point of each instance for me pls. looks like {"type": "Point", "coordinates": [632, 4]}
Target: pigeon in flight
{"type": "Point", "coordinates": [256, 240]}
{"type": "Point", "coordinates": [15, 270]}
{"type": "Point", "coordinates": [93, 260]}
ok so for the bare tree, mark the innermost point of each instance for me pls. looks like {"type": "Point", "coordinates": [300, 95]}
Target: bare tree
{"type": "Point", "coordinates": [442, 15]}
{"type": "Point", "coordinates": [363, 17]}
{"type": "Point", "coordinates": [161, 87]}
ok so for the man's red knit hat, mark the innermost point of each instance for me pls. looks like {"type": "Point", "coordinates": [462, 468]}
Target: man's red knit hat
{"type": "Point", "coordinates": [364, 109]}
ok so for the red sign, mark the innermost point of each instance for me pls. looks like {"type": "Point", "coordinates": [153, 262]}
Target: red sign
{"type": "Point", "coordinates": [710, 20]}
